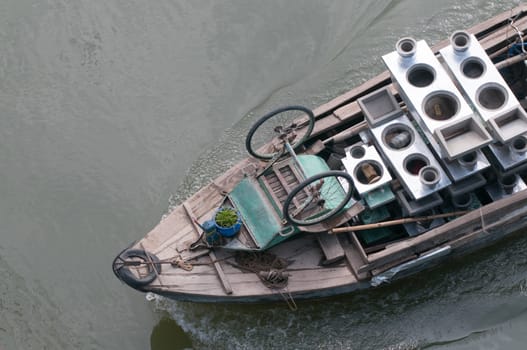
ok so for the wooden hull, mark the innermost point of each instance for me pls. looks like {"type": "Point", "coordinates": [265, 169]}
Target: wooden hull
{"type": "Point", "coordinates": [340, 279]}
{"type": "Point", "coordinates": [209, 275]}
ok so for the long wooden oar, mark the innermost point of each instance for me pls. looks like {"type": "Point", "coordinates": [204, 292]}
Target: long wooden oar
{"type": "Point", "coordinates": [395, 222]}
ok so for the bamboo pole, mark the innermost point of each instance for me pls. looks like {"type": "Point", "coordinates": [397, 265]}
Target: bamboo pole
{"type": "Point", "coordinates": [343, 135]}
{"type": "Point", "coordinates": [394, 222]}
{"type": "Point", "coordinates": [510, 61]}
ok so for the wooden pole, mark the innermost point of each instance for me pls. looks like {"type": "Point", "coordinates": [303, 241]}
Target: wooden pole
{"type": "Point", "coordinates": [510, 61]}
{"type": "Point", "coordinates": [343, 135]}
{"type": "Point", "coordinates": [394, 222]}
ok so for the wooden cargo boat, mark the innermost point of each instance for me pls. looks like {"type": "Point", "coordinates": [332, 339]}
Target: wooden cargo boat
{"type": "Point", "coordinates": [422, 163]}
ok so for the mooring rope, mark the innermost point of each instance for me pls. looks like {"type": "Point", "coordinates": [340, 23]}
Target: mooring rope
{"type": "Point", "coordinates": [288, 298]}
{"type": "Point", "coordinates": [482, 220]}
{"type": "Point", "coordinates": [520, 34]}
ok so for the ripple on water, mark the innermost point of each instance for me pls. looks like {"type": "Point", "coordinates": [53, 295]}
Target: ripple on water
{"type": "Point", "coordinates": [28, 317]}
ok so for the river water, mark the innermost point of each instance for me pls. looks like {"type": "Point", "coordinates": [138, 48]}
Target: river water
{"type": "Point", "coordinates": [112, 111]}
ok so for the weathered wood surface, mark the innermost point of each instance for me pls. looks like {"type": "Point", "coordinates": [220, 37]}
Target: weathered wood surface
{"type": "Point", "coordinates": [305, 274]}
{"type": "Point", "coordinates": [474, 221]}
{"type": "Point", "coordinates": [212, 277]}
{"type": "Point", "coordinates": [355, 261]}
{"type": "Point", "coordinates": [331, 247]}
{"type": "Point", "coordinates": [217, 265]}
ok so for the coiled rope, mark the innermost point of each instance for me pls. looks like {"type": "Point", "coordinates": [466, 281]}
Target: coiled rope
{"type": "Point", "coordinates": [270, 269]}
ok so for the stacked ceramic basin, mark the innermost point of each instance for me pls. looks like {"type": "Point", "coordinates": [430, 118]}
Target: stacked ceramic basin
{"type": "Point", "coordinates": [402, 145]}
{"type": "Point", "coordinates": [490, 96]}
{"type": "Point", "coordinates": [484, 86]}
{"type": "Point", "coordinates": [434, 100]}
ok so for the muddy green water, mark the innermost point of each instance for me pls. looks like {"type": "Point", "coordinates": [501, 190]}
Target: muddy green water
{"type": "Point", "coordinates": [112, 111]}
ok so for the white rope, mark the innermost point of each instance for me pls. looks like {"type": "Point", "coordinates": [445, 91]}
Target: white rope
{"type": "Point", "coordinates": [520, 34]}
{"type": "Point", "coordinates": [483, 226]}
{"type": "Point", "coordinates": [288, 298]}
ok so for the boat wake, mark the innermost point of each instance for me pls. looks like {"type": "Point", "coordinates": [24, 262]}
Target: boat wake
{"type": "Point", "coordinates": [482, 292]}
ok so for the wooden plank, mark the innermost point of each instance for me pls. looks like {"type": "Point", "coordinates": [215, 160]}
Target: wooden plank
{"type": "Point", "coordinates": [481, 28]}
{"type": "Point", "coordinates": [211, 200]}
{"type": "Point", "coordinates": [278, 173]}
{"type": "Point", "coordinates": [272, 191]}
{"type": "Point", "coordinates": [449, 231]}
{"type": "Point", "coordinates": [355, 261]}
{"type": "Point", "coordinates": [501, 36]}
{"type": "Point", "coordinates": [219, 270]}
{"type": "Point", "coordinates": [202, 283]}
{"type": "Point", "coordinates": [393, 264]}
{"type": "Point", "coordinates": [316, 279]}
{"type": "Point", "coordinates": [149, 261]}
{"type": "Point", "coordinates": [285, 184]}
{"type": "Point", "coordinates": [249, 284]}
{"type": "Point", "coordinates": [184, 234]}
{"type": "Point", "coordinates": [356, 243]}
{"type": "Point", "coordinates": [347, 133]}
{"type": "Point", "coordinates": [331, 248]}
{"type": "Point", "coordinates": [325, 124]}
{"type": "Point", "coordinates": [166, 253]}
{"type": "Point", "coordinates": [166, 230]}
{"type": "Point", "coordinates": [487, 230]}
{"type": "Point", "coordinates": [345, 98]}
{"type": "Point", "coordinates": [315, 148]}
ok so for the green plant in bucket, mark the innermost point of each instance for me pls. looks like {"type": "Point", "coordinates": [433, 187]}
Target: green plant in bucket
{"type": "Point", "coordinates": [226, 217]}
